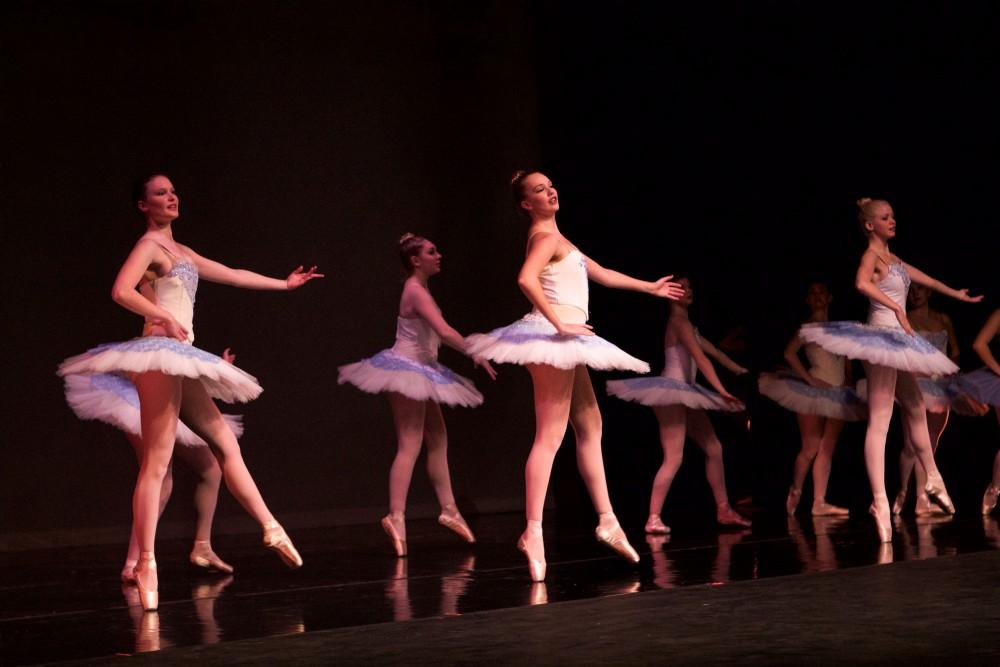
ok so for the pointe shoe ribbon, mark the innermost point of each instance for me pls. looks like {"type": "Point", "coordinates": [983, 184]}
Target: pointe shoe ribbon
{"type": "Point", "coordinates": [616, 540]}
{"type": "Point", "coordinates": [277, 540]}
{"type": "Point", "coordinates": [536, 565]}
{"type": "Point", "coordinates": [203, 556]}
{"type": "Point", "coordinates": [149, 598]}
{"type": "Point", "coordinates": [457, 524]}
{"type": "Point", "coordinates": [398, 543]}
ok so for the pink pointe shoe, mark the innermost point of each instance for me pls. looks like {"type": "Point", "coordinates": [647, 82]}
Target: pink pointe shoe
{"type": "Point", "coordinates": [453, 521]}
{"type": "Point", "coordinates": [277, 540]}
{"type": "Point", "coordinates": [149, 597]}
{"type": "Point", "coordinates": [534, 552]}
{"type": "Point", "coordinates": [128, 572]}
{"type": "Point", "coordinates": [398, 542]}
{"type": "Point", "coordinates": [900, 502]}
{"type": "Point", "coordinates": [727, 516]}
{"type": "Point", "coordinates": [990, 498]}
{"type": "Point", "coordinates": [614, 538]}
{"type": "Point", "coordinates": [939, 495]}
{"type": "Point", "coordinates": [203, 556]}
{"type": "Point", "coordinates": [880, 512]}
{"type": "Point", "coordinates": [655, 525]}
{"type": "Point", "coordinates": [823, 508]}
{"type": "Point", "coordinates": [792, 501]}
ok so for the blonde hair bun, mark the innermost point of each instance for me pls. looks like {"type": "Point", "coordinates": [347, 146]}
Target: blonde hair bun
{"type": "Point", "coordinates": [406, 237]}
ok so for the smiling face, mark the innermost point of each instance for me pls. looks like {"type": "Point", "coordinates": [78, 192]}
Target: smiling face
{"type": "Point", "coordinates": [818, 297]}
{"type": "Point", "coordinates": [539, 197]}
{"type": "Point", "coordinates": [879, 220]}
{"type": "Point", "coordinates": [160, 203]}
{"type": "Point", "coordinates": [427, 260]}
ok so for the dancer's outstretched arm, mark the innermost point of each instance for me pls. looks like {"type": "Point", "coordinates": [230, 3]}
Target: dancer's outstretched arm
{"type": "Point", "coordinates": [217, 272]}
{"type": "Point", "coordinates": [423, 303]}
{"type": "Point", "coordinates": [617, 280]}
{"type": "Point", "coordinates": [921, 278]}
{"type": "Point", "coordinates": [982, 343]}
{"type": "Point", "coordinates": [687, 337]}
{"type": "Point", "coordinates": [720, 356]}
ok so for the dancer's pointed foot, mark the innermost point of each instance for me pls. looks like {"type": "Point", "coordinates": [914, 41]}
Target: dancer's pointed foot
{"type": "Point", "coordinates": [532, 546]}
{"type": "Point", "coordinates": [990, 498]}
{"type": "Point", "coordinates": [727, 516]}
{"type": "Point", "coordinates": [792, 501]}
{"type": "Point", "coordinates": [900, 502]}
{"type": "Point", "coordinates": [924, 506]}
{"type": "Point", "coordinates": [883, 525]}
{"type": "Point", "coordinates": [612, 535]}
{"type": "Point", "coordinates": [452, 520]}
{"type": "Point", "coordinates": [939, 495]}
{"type": "Point", "coordinates": [147, 581]}
{"type": "Point", "coordinates": [396, 530]}
{"type": "Point", "coordinates": [823, 508]}
{"type": "Point", "coordinates": [655, 525]}
{"type": "Point", "coordinates": [276, 539]}
{"type": "Point", "coordinates": [128, 572]}
{"type": "Point", "coordinates": [203, 556]}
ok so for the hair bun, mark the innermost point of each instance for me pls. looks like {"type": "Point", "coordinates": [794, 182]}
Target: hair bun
{"type": "Point", "coordinates": [517, 175]}
{"type": "Point", "coordinates": [863, 201]}
{"type": "Point", "coordinates": [406, 237]}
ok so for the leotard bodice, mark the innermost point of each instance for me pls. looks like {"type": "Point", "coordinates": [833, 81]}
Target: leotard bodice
{"type": "Point", "coordinates": [895, 284]}
{"type": "Point", "coordinates": [565, 282]}
{"type": "Point", "coordinates": [415, 339]}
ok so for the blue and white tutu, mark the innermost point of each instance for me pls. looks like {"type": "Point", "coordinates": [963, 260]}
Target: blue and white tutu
{"type": "Point", "coordinates": [662, 390]}
{"type": "Point", "coordinates": [791, 392]}
{"type": "Point", "coordinates": [533, 340]}
{"type": "Point", "coordinates": [882, 345]}
{"type": "Point", "coordinates": [419, 380]}
{"type": "Point", "coordinates": [222, 380]}
{"type": "Point", "coordinates": [982, 385]}
{"type": "Point", "coordinates": [112, 399]}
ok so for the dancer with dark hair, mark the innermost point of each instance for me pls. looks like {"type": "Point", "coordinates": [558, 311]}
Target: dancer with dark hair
{"type": "Point", "coordinates": [556, 345]}
{"type": "Point", "coordinates": [892, 354]}
{"type": "Point", "coordinates": [680, 407]}
{"type": "Point", "coordinates": [174, 379]}
{"type": "Point", "coordinates": [416, 385]}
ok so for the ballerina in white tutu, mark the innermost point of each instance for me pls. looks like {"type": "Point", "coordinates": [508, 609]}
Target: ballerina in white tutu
{"type": "Point", "coordinates": [680, 407]}
{"type": "Point", "coordinates": [984, 386]}
{"type": "Point", "coordinates": [556, 345]}
{"type": "Point", "coordinates": [114, 400]}
{"type": "Point", "coordinates": [416, 385]}
{"type": "Point", "coordinates": [821, 400]}
{"type": "Point", "coordinates": [173, 378]}
{"type": "Point", "coordinates": [892, 353]}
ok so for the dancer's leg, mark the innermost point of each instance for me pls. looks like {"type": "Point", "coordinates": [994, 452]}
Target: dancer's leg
{"type": "Point", "coordinates": [881, 392]}
{"type": "Point", "coordinates": [436, 440]}
{"type": "Point", "coordinates": [821, 468]}
{"type": "Point", "coordinates": [811, 434]}
{"type": "Point", "coordinates": [166, 488]}
{"type": "Point", "coordinates": [672, 420]}
{"type": "Point", "coordinates": [907, 460]}
{"type": "Point", "coordinates": [702, 433]}
{"type": "Point", "coordinates": [915, 415]}
{"type": "Point", "coordinates": [936, 423]}
{"type": "Point", "coordinates": [585, 416]}
{"type": "Point", "coordinates": [206, 498]}
{"type": "Point", "coordinates": [408, 417]}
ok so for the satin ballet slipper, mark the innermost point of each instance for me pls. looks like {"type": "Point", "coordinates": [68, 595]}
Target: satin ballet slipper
{"type": "Point", "coordinates": [823, 508]}
{"type": "Point", "coordinates": [149, 598]}
{"type": "Point", "coordinates": [398, 543]}
{"type": "Point", "coordinates": [128, 572]}
{"type": "Point", "coordinates": [535, 556]}
{"type": "Point", "coordinates": [655, 525]}
{"type": "Point", "coordinates": [792, 501]}
{"type": "Point", "coordinates": [277, 540]}
{"type": "Point", "coordinates": [456, 524]}
{"type": "Point", "coordinates": [900, 502]}
{"type": "Point", "coordinates": [990, 498]}
{"type": "Point", "coordinates": [616, 540]}
{"type": "Point", "coordinates": [727, 516]}
{"type": "Point", "coordinates": [924, 506]}
{"type": "Point", "coordinates": [882, 521]}
{"type": "Point", "coordinates": [939, 495]}
{"type": "Point", "coordinates": [203, 556]}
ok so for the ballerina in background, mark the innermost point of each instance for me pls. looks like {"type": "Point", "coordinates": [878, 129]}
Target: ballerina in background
{"type": "Point", "coordinates": [891, 353]}
{"type": "Point", "coordinates": [680, 407]}
{"type": "Point", "coordinates": [416, 385]}
{"type": "Point", "coordinates": [821, 401]}
{"type": "Point", "coordinates": [984, 386]}
{"type": "Point", "coordinates": [556, 345]}
{"type": "Point", "coordinates": [174, 379]}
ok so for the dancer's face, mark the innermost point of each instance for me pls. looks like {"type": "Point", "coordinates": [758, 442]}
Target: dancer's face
{"type": "Point", "coordinates": [161, 202]}
{"type": "Point", "coordinates": [540, 197]}
{"type": "Point", "coordinates": [918, 295]}
{"type": "Point", "coordinates": [818, 297]}
{"type": "Point", "coordinates": [428, 260]}
{"type": "Point", "coordinates": [882, 222]}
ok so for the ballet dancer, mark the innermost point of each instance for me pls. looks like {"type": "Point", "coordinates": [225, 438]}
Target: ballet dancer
{"type": "Point", "coordinates": [416, 385]}
{"type": "Point", "coordinates": [984, 386]}
{"type": "Point", "coordinates": [174, 379]}
{"type": "Point", "coordinates": [679, 405]}
{"type": "Point", "coordinates": [891, 353]}
{"type": "Point", "coordinates": [556, 345]}
{"type": "Point", "coordinates": [821, 401]}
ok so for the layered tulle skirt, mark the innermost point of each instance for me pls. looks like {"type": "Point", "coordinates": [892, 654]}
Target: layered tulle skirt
{"type": "Point", "coordinates": [885, 346]}
{"type": "Point", "coordinates": [113, 399]}
{"type": "Point", "coordinates": [533, 340]}
{"type": "Point", "coordinates": [419, 380]}
{"type": "Point", "coordinates": [221, 379]}
{"type": "Point", "coordinates": [982, 385]}
{"type": "Point", "coordinates": [791, 392]}
{"type": "Point", "coordinates": [661, 390]}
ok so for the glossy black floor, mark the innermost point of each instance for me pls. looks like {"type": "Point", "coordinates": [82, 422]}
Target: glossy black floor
{"type": "Point", "coordinates": [68, 604]}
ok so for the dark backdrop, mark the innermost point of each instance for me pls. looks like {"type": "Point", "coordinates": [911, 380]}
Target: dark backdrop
{"type": "Point", "coordinates": [727, 142]}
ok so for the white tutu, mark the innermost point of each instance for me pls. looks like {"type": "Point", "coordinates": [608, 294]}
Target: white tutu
{"type": "Point", "coordinates": [421, 381]}
{"type": "Point", "coordinates": [791, 392]}
{"type": "Point", "coordinates": [112, 399]}
{"type": "Point", "coordinates": [982, 385]}
{"type": "Point", "coordinates": [937, 392]}
{"type": "Point", "coordinates": [222, 380]}
{"type": "Point", "coordinates": [885, 346]}
{"type": "Point", "coordinates": [667, 391]}
{"type": "Point", "coordinates": [533, 340]}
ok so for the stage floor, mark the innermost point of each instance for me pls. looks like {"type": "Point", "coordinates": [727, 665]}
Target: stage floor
{"type": "Point", "coordinates": [68, 605]}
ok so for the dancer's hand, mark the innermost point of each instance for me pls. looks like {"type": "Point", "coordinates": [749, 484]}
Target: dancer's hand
{"type": "Point", "coordinates": [575, 330]}
{"type": "Point", "coordinates": [298, 277]}
{"type": "Point", "coordinates": [228, 356]}
{"type": "Point", "coordinates": [169, 328]}
{"type": "Point", "coordinates": [963, 295]}
{"type": "Point", "coordinates": [486, 366]}
{"type": "Point", "coordinates": [904, 321]}
{"type": "Point", "coordinates": [666, 289]}
{"type": "Point", "coordinates": [729, 397]}
{"type": "Point", "coordinates": [741, 371]}
{"type": "Point", "coordinates": [819, 384]}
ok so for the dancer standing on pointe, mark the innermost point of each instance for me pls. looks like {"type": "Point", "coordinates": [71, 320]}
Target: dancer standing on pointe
{"type": "Point", "coordinates": [821, 402]}
{"type": "Point", "coordinates": [679, 405]}
{"type": "Point", "coordinates": [891, 353]}
{"type": "Point", "coordinates": [416, 384]}
{"type": "Point", "coordinates": [173, 378]}
{"type": "Point", "coordinates": [113, 399]}
{"type": "Point", "coordinates": [984, 386]}
{"type": "Point", "coordinates": [556, 345]}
